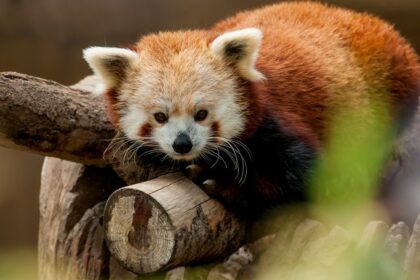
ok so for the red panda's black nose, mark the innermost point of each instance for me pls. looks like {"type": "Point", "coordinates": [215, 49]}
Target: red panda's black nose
{"type": "Point", "coordinates": [182, 144]}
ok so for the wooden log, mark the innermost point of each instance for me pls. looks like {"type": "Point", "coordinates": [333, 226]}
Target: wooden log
{"type": "Point", "coordinates": [51, 119]}
{"type": "Point", "coordinates": [257, 248]}
{"type": "Point", "coordinates": [412, 258]}
{"type": "Point", "coordinates": [240, 264]}
{"type": "Point", "coordinates": [373, 235]}
{"type": "Point", "coordinates": [396, 241]}
{"type": "Point", "coordinates": [71, 238]}
{"type": "Point", "coordinates": [229, 269]}
{"type": "Point", "coordinates": [168, 222]}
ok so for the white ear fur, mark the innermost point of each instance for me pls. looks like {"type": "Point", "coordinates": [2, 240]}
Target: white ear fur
{"type": "Point", "coordinates": [241, 47]}
{"type": "Point", "coordinates": [109, 64]}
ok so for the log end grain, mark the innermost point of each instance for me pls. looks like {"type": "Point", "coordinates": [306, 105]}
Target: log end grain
{"type": "Point", "coordinates": [138, 230]}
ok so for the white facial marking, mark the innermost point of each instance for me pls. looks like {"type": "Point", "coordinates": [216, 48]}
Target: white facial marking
{"type": "Point", "coordinates": [231, 120]}
{"type": "Point", "coordinates": [167, 134]}
{"type": "Point", "coordinates": [132, 121]}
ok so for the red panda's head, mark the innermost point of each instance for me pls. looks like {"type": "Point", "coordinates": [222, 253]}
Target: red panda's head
{"type": "Point", "coordinates": [178, 91]}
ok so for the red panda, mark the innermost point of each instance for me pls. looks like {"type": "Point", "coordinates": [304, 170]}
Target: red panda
{"type": "Point", "coordinates": [251, 99]}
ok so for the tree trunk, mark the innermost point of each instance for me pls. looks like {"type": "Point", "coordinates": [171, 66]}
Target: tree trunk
{"type": "Point", "coordinates": [71, 237]}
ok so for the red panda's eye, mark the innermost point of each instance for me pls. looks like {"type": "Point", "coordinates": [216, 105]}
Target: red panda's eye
{"type": "Point", "coordinates": [201, 115]}
{"type": "Point", "coordinates": [161, 117]}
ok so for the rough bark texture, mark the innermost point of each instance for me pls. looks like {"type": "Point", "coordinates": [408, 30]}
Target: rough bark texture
{"type": "Point", "coordinates": [71, 237]}
{"type": "Point", "coordinates": [396, 241]}
{"type": "Point", "coordinates": [374, 234]}
{"type": "Point", "coordinates": [50, 119]}
{"type": "Point", "coordinates": [412, 261]}
{"type": "Point", "coordinates": [168, 221]}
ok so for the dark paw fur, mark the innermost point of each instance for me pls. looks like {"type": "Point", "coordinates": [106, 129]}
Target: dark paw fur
{"type": "Point", "coordinates": [194, 172]}
{"type": "Point", "coordinates": [211, 187]}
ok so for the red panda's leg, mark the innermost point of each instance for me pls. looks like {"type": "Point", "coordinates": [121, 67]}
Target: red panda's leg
{"type": "Point", "coordinates": [194, 171]}
{"type": "Point", "coordinates": [216, 185]}
{"type": "Point", "coordinates": [211, 184]}
{"type": "Point", "coordinates": [232, 196]}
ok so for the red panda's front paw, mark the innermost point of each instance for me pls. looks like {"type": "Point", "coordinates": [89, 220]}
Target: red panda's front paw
{"type": "Point", "coordinates": [227, 193]}
{"type": "Point", "coordinates": [194, 172]}
{"type": "Point", "coordinates": [211, 187]}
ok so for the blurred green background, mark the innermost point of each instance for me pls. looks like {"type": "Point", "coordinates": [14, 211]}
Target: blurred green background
{"type": "Point", "coordinates": [45, 38]}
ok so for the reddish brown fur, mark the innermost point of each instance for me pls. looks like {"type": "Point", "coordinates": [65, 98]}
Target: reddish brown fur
{"type": "Point", "coordinates": [315, 59]}
{"type": "Point", "coordinates": [145, 130]}
{"type": "Point", "coordinates": [215, 129]}
{"type": "Point", "coordinates": [298, 89]}
{"type": "Point", "coordinates": [111, 103]}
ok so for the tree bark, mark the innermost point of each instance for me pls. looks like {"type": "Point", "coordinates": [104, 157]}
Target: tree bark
{"type": "Point", "coordinates": [166, 222]}
{"type": "Point", "coordinates": [71, 237]}
{"type": "Point", "coordinates": [412, 258]}
{"type": "Point", "coordinates": [50, 119]}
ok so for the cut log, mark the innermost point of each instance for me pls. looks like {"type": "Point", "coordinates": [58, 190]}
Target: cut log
{"type": "Point", "coordinates": [167, 222]}
{"type": "Point", "coordinates": [50, 119]}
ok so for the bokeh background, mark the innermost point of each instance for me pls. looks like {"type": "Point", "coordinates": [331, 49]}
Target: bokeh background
{"type": "Point", "coordinates": [45, 38]}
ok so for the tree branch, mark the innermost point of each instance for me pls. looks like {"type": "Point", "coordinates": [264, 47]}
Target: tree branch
{"type": "Point", "coordinates": [50, 119]}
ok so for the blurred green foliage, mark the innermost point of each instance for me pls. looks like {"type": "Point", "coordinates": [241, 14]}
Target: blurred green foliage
{"type": "Point", "coordinates": [346, 177]}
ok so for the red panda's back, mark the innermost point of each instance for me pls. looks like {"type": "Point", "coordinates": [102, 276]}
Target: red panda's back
{"type": "Point", "coordinates": [318, 58]}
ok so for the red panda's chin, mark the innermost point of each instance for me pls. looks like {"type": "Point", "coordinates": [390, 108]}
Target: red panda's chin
{"type": "Point", "coordinates": [184, 157]}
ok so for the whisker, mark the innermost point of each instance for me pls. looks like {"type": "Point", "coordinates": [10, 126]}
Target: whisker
{"type": "Point", "coordinates": [233, 149]}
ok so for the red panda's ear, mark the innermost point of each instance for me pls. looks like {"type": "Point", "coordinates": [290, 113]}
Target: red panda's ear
{"type": "Point", "coordinates": [240, 48]}
{"type": "Point", "coordinates": [110, 64]}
